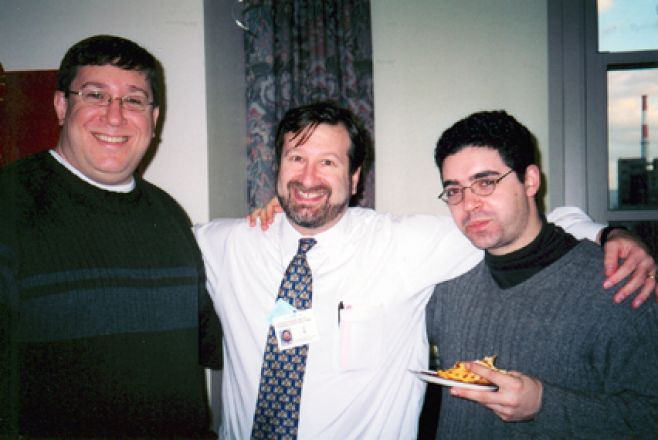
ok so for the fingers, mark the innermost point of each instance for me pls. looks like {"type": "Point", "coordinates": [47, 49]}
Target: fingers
{"type": "Point", "coordinates": [611, 259]}
{"type": "Point", "coordinates": [648, 288]}
{"type": "Point", "coordinates": [253, 216]}
{"type": "Point", "coordinates": [484, 397]}
{"type": "Point", "coordinates": [615, 251]}
{"type": "Point", "coordinates": [266, 218]}
{"type": "Point", "coordinates": [638, 280]}
{"type": "Point", "coordinates": [269, 212]}
{"type": "Point", "coordinates": [260, 215]}
{"type": "Point", "coordinates": [265, 215]}
{"type": "Point", "coordinates": [518, 397]}
{"type": "Point", "coordinates": [489, 374]}
{"type": "Point", "coordinates": [637, 266]}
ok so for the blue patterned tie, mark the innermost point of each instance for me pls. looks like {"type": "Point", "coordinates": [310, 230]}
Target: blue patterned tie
{"type": "Point", "coordinates": [282, 374]}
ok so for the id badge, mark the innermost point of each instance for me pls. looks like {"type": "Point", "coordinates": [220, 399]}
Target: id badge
{"type": "Point", "coordinates": [295, 329]}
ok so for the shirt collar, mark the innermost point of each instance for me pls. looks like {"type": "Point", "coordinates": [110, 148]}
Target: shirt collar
{"type": "Point", "coordinates": [121, 188]}
{"type": "Point", "coordinates": [333, 238]}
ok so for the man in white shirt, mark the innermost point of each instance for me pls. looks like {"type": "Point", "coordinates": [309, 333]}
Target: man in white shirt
{"type": "Point", "coordinates": [372, 277]}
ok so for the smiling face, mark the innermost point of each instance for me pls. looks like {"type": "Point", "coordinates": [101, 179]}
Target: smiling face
{"type": "Point", "coordinates": [503, 221]}
{"type": "Point", "coordinates": [105, 143]}
{"type": "Point", "coordinates": [314, 185]}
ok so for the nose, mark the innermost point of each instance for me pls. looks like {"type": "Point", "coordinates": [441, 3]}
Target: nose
{"type": "Point", "coordinates": [114, 112]}
{"type": "Point", "coordinates": [471, 200]}
{"type": "Point", "coordinates": [308, 176]}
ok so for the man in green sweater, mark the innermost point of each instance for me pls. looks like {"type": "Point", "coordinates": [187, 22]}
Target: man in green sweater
{"type": "Point", "coordinates": [104, 318]}
{"type": "Point", "coordinates": [578, 365]}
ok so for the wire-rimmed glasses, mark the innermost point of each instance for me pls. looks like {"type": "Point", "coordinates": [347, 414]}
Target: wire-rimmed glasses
{"type": "Point", "coordinates": [99, 98]}
{"type": "Point", "coordinates": [453, 195]}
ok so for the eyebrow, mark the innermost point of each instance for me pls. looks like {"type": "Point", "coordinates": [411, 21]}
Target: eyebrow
{"type": "Point", "coordinates": [293, 148]}
{"type": "Point", "coordinates": [474, 177]}
{"type": "Point", "coordinates": [103, 86]}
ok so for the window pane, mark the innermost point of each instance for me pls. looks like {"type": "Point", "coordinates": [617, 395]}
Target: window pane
{"type": "Point", "coordinates": [632, 159]}
{"type": "Point", "coordinates": [627, 25]}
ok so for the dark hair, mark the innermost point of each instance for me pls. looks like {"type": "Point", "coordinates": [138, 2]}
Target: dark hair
{"type": "Point", "coordinates": [101, 50]}
{"type": "Point", "coordinates": [307, 117]}
{"type": "Point", "coordinates": [491, 129]}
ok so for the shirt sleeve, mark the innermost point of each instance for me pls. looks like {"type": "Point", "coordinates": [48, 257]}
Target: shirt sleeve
{"type": "Point", "coordinates": [211, 238]}
{"type": "Point", "coordinates": [434, 250]}
{"type": "Point", "coordinates": [576, 222]}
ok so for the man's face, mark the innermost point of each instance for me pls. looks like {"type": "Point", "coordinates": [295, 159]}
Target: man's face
{"type": "Point", "coordinates": [105, 143]}
{"type": "Point", "coordinates": [503, 221]}
{"type": "Point", "coordinates": [314, 185]}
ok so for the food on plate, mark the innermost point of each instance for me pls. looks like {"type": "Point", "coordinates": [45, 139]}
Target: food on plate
{"type": "Point", "coordinates": [461, 374]}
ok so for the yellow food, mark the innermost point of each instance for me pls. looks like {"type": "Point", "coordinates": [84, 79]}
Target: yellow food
{"type": "Point", "coordinates": [461, 374]}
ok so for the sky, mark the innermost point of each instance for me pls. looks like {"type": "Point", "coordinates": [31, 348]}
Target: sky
{"type": "Point", "coordinates": [629, 25]}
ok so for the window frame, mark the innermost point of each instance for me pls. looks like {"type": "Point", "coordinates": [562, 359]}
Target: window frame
{"type": "Point", "coordinates": [578, 118]}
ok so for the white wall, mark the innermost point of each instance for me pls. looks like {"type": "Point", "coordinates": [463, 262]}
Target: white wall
{"type": "Point", "coordinates": [225, 74]}
{"type": "Point", "coordinates": [437, 61]}
{"type": "Point", "coordinates": [35, 34]}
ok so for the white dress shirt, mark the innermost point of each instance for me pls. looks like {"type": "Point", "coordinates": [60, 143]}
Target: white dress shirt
{"type": "Point", "coordinates": [358, 382]}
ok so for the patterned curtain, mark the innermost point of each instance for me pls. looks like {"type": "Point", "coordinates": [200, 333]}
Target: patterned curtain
{"type": "Point", "coordinates": [298, 52]}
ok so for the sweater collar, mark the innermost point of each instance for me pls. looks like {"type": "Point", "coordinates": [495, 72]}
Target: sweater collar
{"type": "Point", "coordinates": [87, 194]}
{"type": "Point", "coordinates": [511, 269]}
{"type": "Point", "coordinates": [123, 188]}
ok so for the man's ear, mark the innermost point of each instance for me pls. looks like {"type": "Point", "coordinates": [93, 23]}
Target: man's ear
{"type": "Point", "coordinates": [61, 105]}
{"type": "Point", "coordinates": [355, 179]}
{"type": "Point", "coordinates": [155, 114]}
{"type": "Point", "coordinates": [532, 181]}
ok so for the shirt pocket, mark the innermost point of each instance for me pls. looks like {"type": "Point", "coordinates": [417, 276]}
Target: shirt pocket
{"type": "Point", "coordinates": [360, 336]}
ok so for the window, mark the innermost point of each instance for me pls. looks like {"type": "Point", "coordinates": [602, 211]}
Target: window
{"type": "Point", "coordinates": [632, 115]}
{"type": "Point", "coordinates": [627, 25]}
{"type": "Point", "coordinates": [604, 110]}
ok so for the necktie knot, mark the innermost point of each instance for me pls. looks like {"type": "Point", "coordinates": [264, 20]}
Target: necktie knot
{"type": "Point", "coordinates": [305, 244]}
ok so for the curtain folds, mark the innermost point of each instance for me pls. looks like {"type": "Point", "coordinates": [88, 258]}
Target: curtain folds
{"type": "Point", "coordinates": [298, 52]}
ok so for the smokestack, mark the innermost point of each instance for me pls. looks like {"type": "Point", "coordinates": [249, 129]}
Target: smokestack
{"type": "Point", "coordinates": [644, 142]}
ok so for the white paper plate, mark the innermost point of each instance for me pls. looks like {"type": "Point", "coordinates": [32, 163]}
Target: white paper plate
{"type": "Point", "coordinates": [430, 376]}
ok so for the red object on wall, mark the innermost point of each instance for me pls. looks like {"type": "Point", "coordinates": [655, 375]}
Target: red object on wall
{"type": "Point", "coordinates": [28, 123]}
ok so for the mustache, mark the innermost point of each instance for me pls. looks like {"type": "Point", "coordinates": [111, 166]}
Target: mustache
{"type": "Point", "coordinates": [300, 186]}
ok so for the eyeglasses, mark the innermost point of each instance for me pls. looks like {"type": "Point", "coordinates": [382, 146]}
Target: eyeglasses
{"type": "Point", "coordinates": [481, 187]}
{"type": "Point", "coordinates": [135, 103]}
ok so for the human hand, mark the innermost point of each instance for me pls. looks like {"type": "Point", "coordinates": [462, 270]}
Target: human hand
{"type": "Point", "coordinates": [265, 214]}
{"type": "Point", "coordinates": [518, 397]}
{"type": "Point", "coordinates": [637, 262]}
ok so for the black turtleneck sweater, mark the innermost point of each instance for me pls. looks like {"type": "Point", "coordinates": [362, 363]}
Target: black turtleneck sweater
{"type": "Point", "coordinates": [514, 268]}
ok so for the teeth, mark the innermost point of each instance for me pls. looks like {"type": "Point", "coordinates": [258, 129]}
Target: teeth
{"type": "Point", "coordinates": [309, 195]}
{"type": "Point", "coordinates": [111, 139]}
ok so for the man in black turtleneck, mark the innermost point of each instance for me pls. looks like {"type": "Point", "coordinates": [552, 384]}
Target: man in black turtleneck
{"type": "Point", "coordinates": [578, 364]}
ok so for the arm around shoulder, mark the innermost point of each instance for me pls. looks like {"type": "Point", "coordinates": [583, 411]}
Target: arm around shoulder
{"type": "Point", "coordinates": [573, 220]}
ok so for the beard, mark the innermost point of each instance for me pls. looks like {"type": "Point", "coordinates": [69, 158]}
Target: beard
{"type": "Point", "coordinates": [309, 216]}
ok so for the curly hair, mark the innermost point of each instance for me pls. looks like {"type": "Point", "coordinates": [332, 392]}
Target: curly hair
{"type": "Point", "coordinates": [496, 130]}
